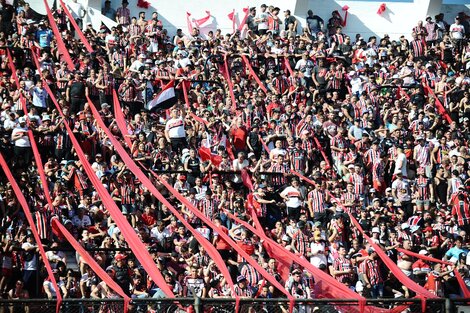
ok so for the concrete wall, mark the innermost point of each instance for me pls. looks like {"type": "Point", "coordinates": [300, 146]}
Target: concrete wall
{"type": "Point", "coordinates": [399, 18]}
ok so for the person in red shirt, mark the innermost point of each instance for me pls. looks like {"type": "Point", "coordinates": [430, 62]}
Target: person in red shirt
{"type": "Point", "coordinates": [238, 136]}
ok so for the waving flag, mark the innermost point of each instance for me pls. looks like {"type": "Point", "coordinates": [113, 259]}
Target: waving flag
{"type": "Point", "coordinates": [165, 99]}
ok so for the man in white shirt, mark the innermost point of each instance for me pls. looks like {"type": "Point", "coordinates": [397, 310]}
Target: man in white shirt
{"type": "Point", "coordinates": [262, 20]}
{"type": "Point", "coordinates": [22, 147]}
{"type": "Point", "coordinates": [457, 33]}
{"type": "Point", "coordinates": [174, 130]}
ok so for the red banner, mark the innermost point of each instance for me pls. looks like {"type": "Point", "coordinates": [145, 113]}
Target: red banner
{"type": "Point", "coordinates": [76, 27]}
{"type": "Point", "coordinates": [231, 16]}
{"type": "Point", "coordinates": [120, 120]}
{"type": "Point", "coordinates": [153, 190]}
{"type": "Point", "coordinates": [58, 38]}
{"type": "Point", "coordinates": [138, 248]}
{"type": "Point", "coordinates": [440, 108]}
{"type": "Point", "coordinates": [243, 22]}
{"type": "Point", "coordinates": [206, 154]}
{"type": "Point", "coordinates": [29, 218]}
{"type": "Point", "coordinates": [91, 262]}
{"type": "Point", "coordinates": [229, 84]}
{"type": "Point", "coordinates": [288, 67]}
{"type": "Point", "coordinates": [345, 8]}
{"type": "Point", "coordinates": [253, 73]}
{"type": "Point", "coordinates": [201, 21]}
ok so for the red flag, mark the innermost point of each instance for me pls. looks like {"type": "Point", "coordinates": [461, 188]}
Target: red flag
{"type": "Point", "coordinates": [231, 16]}
{"type": "Point", "coordinates": [345, 8]}
{"type": "Point", "coordinates": [206, 155]}
{"type": "Point", "coordinates": [381, 9]}
{"type": "Point", "coordinates": [188, 21]}
{"type": "Point", "coordinates": [242, 23]}
{"type": "Point", "coordinates": [201, 21]}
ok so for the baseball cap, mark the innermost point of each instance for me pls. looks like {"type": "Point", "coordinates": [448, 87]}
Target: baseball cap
{"type": "Point", "coordinates": [423, 252]}
{"type": "Point", "coordinates": [120, 257]}
{"type": "Point", "coordinates": [375, 230]}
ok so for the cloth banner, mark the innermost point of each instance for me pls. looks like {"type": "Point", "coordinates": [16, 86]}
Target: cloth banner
{"type": "Point", "coordinates": [100, 272]}
{"type": "Point", "coordinates": [206, 154]}
{"type": "Point", "coordinates": [229, 83]}
{"type": "Point", "coordinates": [120, 120]}
{"type": "Point", "coordinates": [463, 286]}
{"type": "Point", "coordinates": [440, 108]}
{"type": "Point", "coordinates": [29, 218]}
{"type": "Point", "coordinates": [246, 11]}
{"type": "Point", "coordinates": [288, 67]}
{"type": "Point", "coordinates": [345, 8]}
{"type": "Point", "coordinates": [231, 16]}
{"type": "Point", "coordinates": [138, 248]}
{"type": "Point", "coordinates": [75, 26]}
{"type": "Point", "coordinates": [382, 9]}
{"type": "Point", "coordinates": [253, 73]}
{"type": "Point", "coordinates": [153, 190]}
{"type": "Point", "coordinates": [189, 23]}
{"type": "Point", "coordinates": [58, 38]}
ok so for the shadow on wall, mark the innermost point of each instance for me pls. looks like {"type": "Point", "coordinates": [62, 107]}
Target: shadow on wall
{"type": "Point", "coordinates": [353, 24]}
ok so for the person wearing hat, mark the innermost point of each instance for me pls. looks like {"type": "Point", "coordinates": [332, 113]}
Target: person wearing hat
{"type": "Point", "coordinates": [121, 272]}
{"type": "Point", "coordinates": [103, 291]}
{"type": "Point", "coordinates": [431, 31]}
{"type": "Point", "coordinates": [297, 286]}
{"type": "Point", "coordinates": [318, 251]}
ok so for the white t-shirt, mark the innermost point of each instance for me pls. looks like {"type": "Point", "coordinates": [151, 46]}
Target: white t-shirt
{"type": "Point", "coordinates": [30, 265]}
{"type": "Point", "coordinates": [24, 140]}
{"type": "Point", "coordinates": [401, 158]}
{"type": "Point", "coordinates": [175, 128]}
{"type": "Point", "coordinates": [39, 97]}
{"type": "Point", "coordinates": [457, 31]}
{"type": "Point", "coordinates": [294, 197]}
{"type": "Point", "coordinates": [320, 258]}
{"type": "Point", "coordinates": [264, 24]}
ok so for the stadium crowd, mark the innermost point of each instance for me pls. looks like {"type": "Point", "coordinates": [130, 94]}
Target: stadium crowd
{"type": "Point", "coordinates": [354, 115]}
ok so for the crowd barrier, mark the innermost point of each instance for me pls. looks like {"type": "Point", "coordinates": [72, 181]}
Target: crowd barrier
{"type": "Point", "coordinates": [227, 305]}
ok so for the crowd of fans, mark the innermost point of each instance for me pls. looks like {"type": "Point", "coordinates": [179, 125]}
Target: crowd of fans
{"type": "Point", "coordinates": [354, 117]}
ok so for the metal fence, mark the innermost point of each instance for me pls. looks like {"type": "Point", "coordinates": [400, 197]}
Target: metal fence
{"type": "Point", "coordinates": [228, 305]}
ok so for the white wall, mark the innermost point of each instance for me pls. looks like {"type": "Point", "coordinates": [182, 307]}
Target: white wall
{"type": "Point", "coordinates": [399, 18]}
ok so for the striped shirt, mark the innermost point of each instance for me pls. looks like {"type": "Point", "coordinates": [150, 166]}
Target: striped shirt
{"type": "Point", "coordinates": [317, 200]}
{"type": "Point", "coordinates": [342, 264]}
{"type": "Point", "coordinates": [371, 269]}
{"type": "Point", "coordinates": [301, 242]}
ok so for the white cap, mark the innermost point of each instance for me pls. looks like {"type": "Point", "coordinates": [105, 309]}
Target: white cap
{"type": "Point", "coordinates": [405, 226]}
{"type": "Point", "coordinates": [375, 230]}
{"type": "Point", "coordinates": [423, 252]}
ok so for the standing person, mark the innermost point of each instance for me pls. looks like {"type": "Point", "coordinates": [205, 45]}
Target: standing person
{"type": "Point", "coordinates": [461, 210]}
{"type": "Point", "coordinates": [78, 12]}
{"type": "Point", "coordinates": [108, 11]}
{"type": "Point", "coordinates": [262, 20]}
{"type": "Point", "coordinates": [121, 271]}
{"type": "Point", "coordinates": [274, 22]}
{"type": "Point", "coordinates": [401, 191]}
{"type": "Point", "coordinates": [8, 17]}
{"type": "Point", "coordinates": [289, 19]}
{"type": "Point", "coordinates": [174, 130]}
{"type": "Point", "coordinates": [76, 93]}
{"type": "Point", "coordinates": [457, 33]}
{"type": "Point", "coordinates": [123, 14]}
{"type": "Point", "coordinates": [431, 31]}
{"type": "Point", "coordinates": [30, 275]}
{"type": "Point", "coordinates": [22, 148]}
{"type": "Point", "coordinates": [371, 275]}
{"type": "Point", "coordinates": [342, 267]}
{"type": "Point", "coordinates": [314, 23]}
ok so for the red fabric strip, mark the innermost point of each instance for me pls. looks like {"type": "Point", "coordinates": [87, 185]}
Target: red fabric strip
{"type": "Point", "coordinates": [289, 68]}
{"type": "Point", "coordinates": [150, 186]}
{"type": "Point", "coordinates": [253, 73]}
{"type": "Point", "coordinates": [138, 248]}
{"type": "Point", "coordinates": [462, 284]}
{"type": "Point", "coordinates": [224, 236]}
{"type": "Point", "coordinates": [120, 120]}
{"type": "Point", "coordinates": [75, 26]}
{"type": "Point", "coordinates": [185, 94]}
{"type": "Point", "coordinates": [34, 147]}
{"type": "Point", "coordinates": [189, 22]}
{"type": "Point", "coordinates": [58, 38]}
{"type": "Point", "coordinates": [29, 217]}
{"type": "Point", "coordinates": [198, 119]}
{"type": "Point", "coordinates": [242, 23]}
{"type": "Point", "coordinates": [229, 84]}
{"type": "Point", "coordinates": [89, 260]}
{"type": "Point", "coordinates": [231, 16]}
{"type": "Point", "coordinates": [201, 21]}
{"type": "Point", "coordinates": [345, 20]}
{"type": "Point", "coordinates": [440, 108]}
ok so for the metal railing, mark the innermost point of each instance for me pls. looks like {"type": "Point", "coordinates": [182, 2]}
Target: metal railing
{"type": "Point", "coordinates": [228, 305]}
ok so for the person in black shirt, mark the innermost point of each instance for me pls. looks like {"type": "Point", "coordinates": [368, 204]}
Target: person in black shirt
{"type": "Point", "coordinates": [76, 93]}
